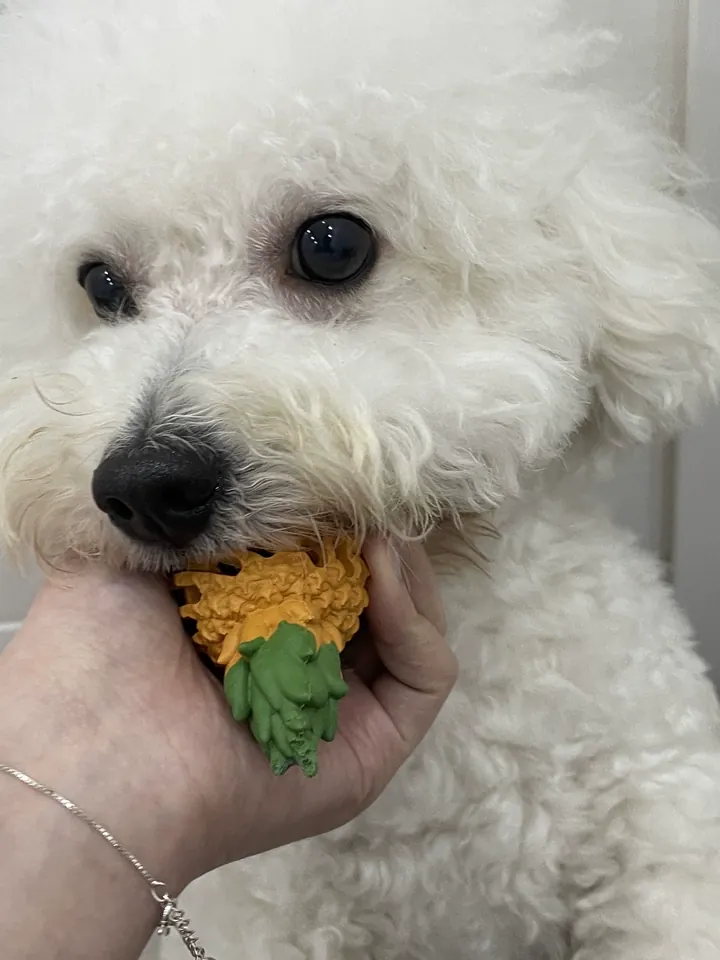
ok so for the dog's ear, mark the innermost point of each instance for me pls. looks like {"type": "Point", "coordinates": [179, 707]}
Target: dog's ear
{"type": "Point", "coordinates": [651, 261]}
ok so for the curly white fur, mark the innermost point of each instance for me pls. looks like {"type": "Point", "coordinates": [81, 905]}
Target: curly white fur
{"type": "Point", "coordinates": [541, 293]}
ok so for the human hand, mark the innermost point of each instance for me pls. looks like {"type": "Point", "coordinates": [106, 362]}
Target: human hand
{"type": "Point", "coordinates": [104, 698]}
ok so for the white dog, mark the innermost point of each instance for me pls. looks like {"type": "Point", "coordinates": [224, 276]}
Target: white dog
{"type": "Point", "coordinates": [386, 265]}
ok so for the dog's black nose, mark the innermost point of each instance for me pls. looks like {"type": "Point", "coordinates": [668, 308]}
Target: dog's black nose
{"type": "Point", "coordinates": [159, 494]}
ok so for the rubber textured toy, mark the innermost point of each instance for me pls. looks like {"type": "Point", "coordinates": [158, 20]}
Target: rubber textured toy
{"type": "Point", "coordinates": [277, 625]}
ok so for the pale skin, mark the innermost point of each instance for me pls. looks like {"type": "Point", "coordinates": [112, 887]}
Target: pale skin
{"type": "Point", "coordinates": [103, 698]}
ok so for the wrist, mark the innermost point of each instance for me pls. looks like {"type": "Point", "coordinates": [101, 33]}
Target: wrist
{"type": "Point", "coordinates": [106, 763]}
{"type": "Point", "coordinates": [117, 795]}
{"type": "Point", "coordinates": [63, 889]}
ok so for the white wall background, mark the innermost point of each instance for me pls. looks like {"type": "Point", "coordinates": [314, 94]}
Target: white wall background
{"type": "Point", "coordinates": [698, 486]}
{"type": "Point", "coordinates": [671, 47]}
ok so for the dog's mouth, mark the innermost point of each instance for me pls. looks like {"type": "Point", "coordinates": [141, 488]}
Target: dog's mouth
{"type": "Point", "coordinates": [214, 547]}
{"type": "Point", "coordinates": [206, 553]}
{"type": "Point", "coordinates": [186, 598]}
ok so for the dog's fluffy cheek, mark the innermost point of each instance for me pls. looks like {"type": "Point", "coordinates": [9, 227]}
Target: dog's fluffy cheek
{"type": "Point", "coordinates": [503, 417]}
{"type": "Point", "coordinates": [45, 464]}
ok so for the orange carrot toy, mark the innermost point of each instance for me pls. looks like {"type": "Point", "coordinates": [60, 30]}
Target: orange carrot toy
{"type": "Point", "coordinates": [278, 625]}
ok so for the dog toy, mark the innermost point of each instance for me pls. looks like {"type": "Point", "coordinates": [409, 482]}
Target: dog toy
{"type": "Point", "coordinates": [277, 624]}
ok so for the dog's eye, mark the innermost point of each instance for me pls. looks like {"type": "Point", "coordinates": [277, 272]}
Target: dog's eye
{"type": "Point", "coordinates": [107, 293]}
{"type": "Point", "coordinates": [333, 249]}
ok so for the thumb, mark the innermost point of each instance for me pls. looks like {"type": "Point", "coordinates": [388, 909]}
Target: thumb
{"type": "Point", "coordinates": [420, 668]}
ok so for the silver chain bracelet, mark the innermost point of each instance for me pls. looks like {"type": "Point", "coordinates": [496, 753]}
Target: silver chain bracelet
{"type": "Point", "coordinates": [172, 915]}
